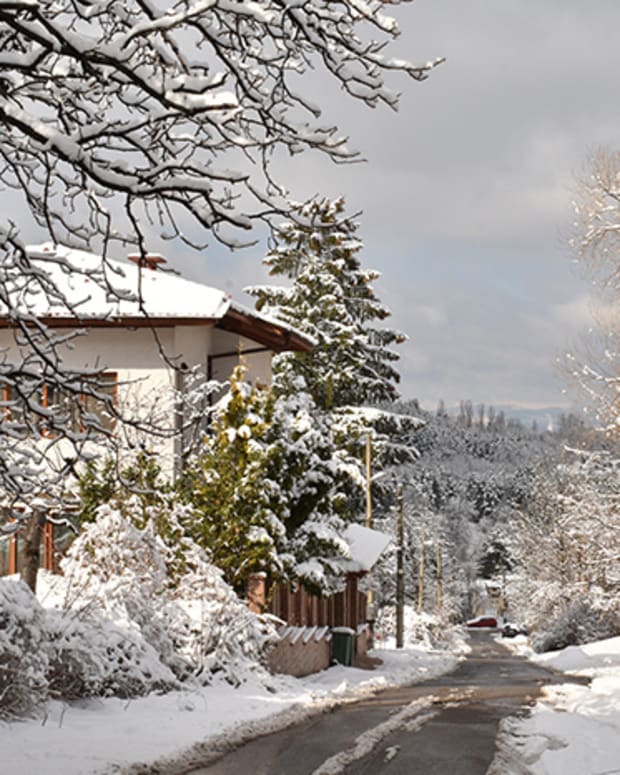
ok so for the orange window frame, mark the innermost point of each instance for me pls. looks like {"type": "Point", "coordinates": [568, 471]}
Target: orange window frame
{"type": "Point", "coordinates": [48, 555]}
{"type": "Point", "coordinates": [106, 376]}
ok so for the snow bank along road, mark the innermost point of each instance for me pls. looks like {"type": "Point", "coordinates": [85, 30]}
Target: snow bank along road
{"type": "Point", "coordinates": [446, 725]}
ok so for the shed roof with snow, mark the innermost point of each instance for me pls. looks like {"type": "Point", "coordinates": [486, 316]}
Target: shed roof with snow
{"type": "Point", "coordinates": [365, 547]}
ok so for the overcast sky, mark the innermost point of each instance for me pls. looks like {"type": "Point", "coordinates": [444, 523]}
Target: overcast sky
{"type": "Point", "coordinates": [466, 192]}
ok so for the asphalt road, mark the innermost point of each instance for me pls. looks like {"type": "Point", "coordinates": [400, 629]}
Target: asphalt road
{"type": "Point", "coordinates": [446, 726]}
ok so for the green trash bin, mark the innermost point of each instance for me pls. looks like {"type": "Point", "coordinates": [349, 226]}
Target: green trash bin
{"type": "Point", "coordinates": [343, 645]}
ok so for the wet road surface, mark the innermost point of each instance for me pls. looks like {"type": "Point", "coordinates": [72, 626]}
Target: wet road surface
{"type": "Point", "coordinates": [445, 725]}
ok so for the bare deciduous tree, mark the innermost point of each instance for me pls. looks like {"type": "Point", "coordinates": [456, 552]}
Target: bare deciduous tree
{"type": "Point", "coordinates": [120, 122]}
{"type": "Point", "coordinates": [595, 242]}
{"type": "Point", "coordinates": [118, 115]}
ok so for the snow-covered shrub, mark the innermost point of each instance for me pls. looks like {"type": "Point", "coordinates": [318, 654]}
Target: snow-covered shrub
{"type": "Point", "coordinates": [23, 652]}
{"type": "Point", "coordinates": [211, 629]}
{"type": "Point", "coordinates": [583, 620]}
{"type": "Point", "coordinates": [96, 658]}
{"type": "Point", "coordinates": [159, 587]}
{"type": "Point", "coordinates": [117, 572]}
{"type": "Point", "coordinates": [565, 543]}
{"type": "Point", "coordinates": [419, 628]}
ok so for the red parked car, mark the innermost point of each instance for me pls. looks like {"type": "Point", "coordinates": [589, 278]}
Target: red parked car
{"type": "Point", "coordinates": [483, 621]}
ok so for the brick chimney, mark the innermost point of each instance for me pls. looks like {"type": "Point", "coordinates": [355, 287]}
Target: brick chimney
{"type": "Point", "coordinates": [149, 261]}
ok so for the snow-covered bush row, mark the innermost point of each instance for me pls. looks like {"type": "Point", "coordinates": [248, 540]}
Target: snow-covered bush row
{"type": "Point", "coordinates": [51, 653]}
{"type": "Point", "coordinates": [90, 657]}
{"type": "Point", "coordinates": [137, 614]}
{"type": "Point", "coordinates": [582, 621]}
{"type": "Point", "coordinates": [23, 653]}
{"type": "Point", "coordinates": [566, 585]}
{"type": "Point", "coordinates": [164, 590]}
{"type": "Point", "coordinates": [427, 629]}
{"type": "Point", "coordinates": [560, 615]}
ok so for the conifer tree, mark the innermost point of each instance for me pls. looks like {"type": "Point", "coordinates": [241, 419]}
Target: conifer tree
{"type": "Point", "coordinates": [331, 298]}
{"type": "Point", "coordinates": [237, 509]}
{"type": "Point", "coordinates": [261, 491]}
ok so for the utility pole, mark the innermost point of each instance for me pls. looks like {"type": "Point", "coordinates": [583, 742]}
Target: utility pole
{"type": "Point", "coordinates": [370, 600]}
{"type": "Point", "coordinates": [421, 573]}
{"type": "Point", "coordinates": [400, 573]}
{"type": "Point", "coordinates": [368, 477]}
{"type": "Point", "coordinates": [438, 599]}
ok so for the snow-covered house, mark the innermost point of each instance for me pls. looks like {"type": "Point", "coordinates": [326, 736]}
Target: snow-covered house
{"type": "Point", "coordinates": [141, 327]}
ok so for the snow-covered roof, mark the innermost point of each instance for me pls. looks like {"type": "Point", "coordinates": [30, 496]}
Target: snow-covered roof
{"type": "Point", "coordinates": [93, 291]}
{"type": "Point", "coordinates": [365, 547]}
{"type": "Point", "coordinates": [132, 291]}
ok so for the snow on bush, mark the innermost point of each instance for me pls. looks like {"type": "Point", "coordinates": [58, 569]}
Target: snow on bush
{"type": "Point", "coordinates": [139, 613]}
{"type": "Point", "coordinates": [116, 572]}
{"type": "Point", "coordinates": [563, 614]}
{"type": "Point", "coordinates": [89, 658]}
{"type": "Point", "coordinates": [53, 653]}
{"type": "Point", "coordinates": [426, 629]}
{"type": "Point", "coordinates": [591, 617]}
{"type": "Point", "coordinates": [213, 631]}
{"type": "Point", "coordinates": [164, 591]}
{"type": "Point", "coordinates": [23, 653]}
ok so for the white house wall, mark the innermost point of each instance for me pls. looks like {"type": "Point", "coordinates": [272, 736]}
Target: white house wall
{"type": "Point", "coordinates": [192, 346]}
{"type": "Point", "coordinates": [144, 378]}
{"type": "Point", "coordinates": [226, 348]}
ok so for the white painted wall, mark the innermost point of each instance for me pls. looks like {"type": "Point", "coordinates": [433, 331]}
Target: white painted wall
{"type": "Point", "coordinates": [145, 379]}
{"type": "Point", "coordinates": [258, 364]}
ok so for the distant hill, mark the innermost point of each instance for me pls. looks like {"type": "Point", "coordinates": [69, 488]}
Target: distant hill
{"type": "Point", "coordinates": [546, 417]}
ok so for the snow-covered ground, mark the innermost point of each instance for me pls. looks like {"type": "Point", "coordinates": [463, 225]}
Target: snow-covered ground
{"type": "Point", "coordinates": [109, 735]}
{"type": "Point", "coordinates": [573, 729]}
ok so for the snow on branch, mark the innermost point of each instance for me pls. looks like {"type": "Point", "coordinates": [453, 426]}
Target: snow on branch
{"type": "Point", "coordinates": [163, 107]}
{"type": "Point", "coordinates": [125, 122]}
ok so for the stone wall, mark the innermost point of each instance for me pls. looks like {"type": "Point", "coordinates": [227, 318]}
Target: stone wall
{"type": "Point", "coordinates": [301, 651]}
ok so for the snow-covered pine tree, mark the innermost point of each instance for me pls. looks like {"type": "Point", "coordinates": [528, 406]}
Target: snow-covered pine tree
{"type": "Point", "coordinates": [309, 469]}
{"type": "Point", "coordinates": [263, 489]}
{"type": "Point", "coordinates": [332, 299]}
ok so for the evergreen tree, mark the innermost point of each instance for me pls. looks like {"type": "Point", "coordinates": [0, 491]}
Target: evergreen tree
{"type": "Point", "coordinates": [237, 508]}
{"type": "Point", "coordinates": [133, 482]}
{"type": "Point", "coordinates": [312, 473]}
{"type": "Point", "coordinates": [331, 298]}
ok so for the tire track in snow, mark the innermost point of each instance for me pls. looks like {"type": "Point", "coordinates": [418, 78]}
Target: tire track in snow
{"type": "Point", "coordinates": [411, 717]}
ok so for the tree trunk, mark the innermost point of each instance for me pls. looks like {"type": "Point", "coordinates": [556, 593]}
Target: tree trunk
{"type": "Point", "coordinates": [32, 550]}
{"type": "Point", "coordinates": [421, 573]}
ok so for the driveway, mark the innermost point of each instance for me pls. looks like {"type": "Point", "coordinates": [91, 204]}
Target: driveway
{"type": "Point", "coordinates": [446, 725]}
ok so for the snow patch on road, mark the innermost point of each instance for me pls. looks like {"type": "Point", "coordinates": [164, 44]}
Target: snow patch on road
{"type": "Point", "coordinates": [573, 729]}
{"type": "Point", "coordinates": [370, 738]}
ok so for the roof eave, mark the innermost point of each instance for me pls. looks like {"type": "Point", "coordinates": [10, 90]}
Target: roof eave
{"type": "Point", "coordinates": [277, 336]}
{"type": "Point", "coordinates": [122, 321]}
{"type": "Point", "coordinates": [269, 333]}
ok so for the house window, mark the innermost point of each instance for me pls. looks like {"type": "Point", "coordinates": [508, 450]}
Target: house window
{"type": "Point", "coordinates": [100, 399]}
{"type": "Point", "coordinates": [90, 409]}
{"type": "Point", "coordinates": [55, 540]}
{"type": "Point", "coordinates": [73, 411]}
{"type": "Point", "coordinates": [8, 554]}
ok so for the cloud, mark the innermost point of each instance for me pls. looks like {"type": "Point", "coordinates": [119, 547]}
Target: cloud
{"type": "Point", "coordinates": [466, 192]}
